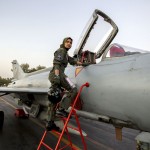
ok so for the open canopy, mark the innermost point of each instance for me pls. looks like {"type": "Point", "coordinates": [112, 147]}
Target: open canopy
{"type": "Point", "coordinates": [97, 35]}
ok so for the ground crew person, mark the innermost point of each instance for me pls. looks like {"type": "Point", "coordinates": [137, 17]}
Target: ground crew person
{"type": "Point", "coordinates": [58, 79]}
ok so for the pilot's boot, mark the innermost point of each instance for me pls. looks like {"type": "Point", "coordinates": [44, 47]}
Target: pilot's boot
{"type": "Point", "coordinates": [61, 113]}
{"type": "Point", "coordinates": [66, 102]}
{"type": "Point", "coordinates": [51, 126]}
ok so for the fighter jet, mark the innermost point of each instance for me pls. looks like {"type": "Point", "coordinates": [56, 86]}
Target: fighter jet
{"type": "Point", "coordinates": [118, 75]}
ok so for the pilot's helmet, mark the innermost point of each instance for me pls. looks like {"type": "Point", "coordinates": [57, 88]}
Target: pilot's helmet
{"type": "Point", "coordinates": [54, 95]}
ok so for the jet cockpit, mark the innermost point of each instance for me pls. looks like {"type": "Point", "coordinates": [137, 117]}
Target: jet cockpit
{"type": "Point", "coordinates": [96, 37]}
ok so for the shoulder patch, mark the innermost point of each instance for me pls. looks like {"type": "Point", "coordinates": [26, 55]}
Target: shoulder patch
{"type": "Point", "coordinates": [59, 54]}
{"type": "Point", "coordinates": [59, 57]}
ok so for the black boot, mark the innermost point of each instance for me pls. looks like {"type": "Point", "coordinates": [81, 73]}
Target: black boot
{"type": "Point", "coordinates": [62, 113]}
{"type": "Point", "coordinates": [50, 125]}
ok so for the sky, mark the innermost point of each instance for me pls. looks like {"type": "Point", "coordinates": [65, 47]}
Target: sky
{"type": "Point", "coordinates": [31, 30]}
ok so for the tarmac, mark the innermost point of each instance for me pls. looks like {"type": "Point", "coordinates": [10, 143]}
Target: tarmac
{"type": "Point", "coordinates": [25, 134]}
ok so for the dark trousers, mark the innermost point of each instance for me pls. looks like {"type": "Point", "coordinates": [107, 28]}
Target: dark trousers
{"type": "Point", "coordinates": [67, 99]}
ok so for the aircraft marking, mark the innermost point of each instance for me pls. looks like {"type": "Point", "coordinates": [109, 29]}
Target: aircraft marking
{"type": "Point", "coordinates": [78, 70]}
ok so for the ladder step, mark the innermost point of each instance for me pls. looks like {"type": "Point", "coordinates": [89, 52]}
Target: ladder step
{"type": "Point", "coordinates": [74, 128]}
{"type": "Point", "coordinates": [66, 126]}
{"type": "Point", "coordinates": [46, 146]}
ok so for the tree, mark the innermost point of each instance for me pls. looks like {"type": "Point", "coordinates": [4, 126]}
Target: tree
{"type": "Point", "coordinates": [26, 69]}
{"type": "Point", "coordinates": [4, 81]}
{"type": "Point", "coordinates": [40, 67]}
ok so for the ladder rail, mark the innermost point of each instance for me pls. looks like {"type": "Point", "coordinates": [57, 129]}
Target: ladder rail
{"type": "Point", "coordinates": [71, 111]}
{"type": "Point", "coordinates": [42, 143]}
{"type": "Point", "coordinates": [67, 132]}
{"type": "Point", "coordinates": [82, 138]}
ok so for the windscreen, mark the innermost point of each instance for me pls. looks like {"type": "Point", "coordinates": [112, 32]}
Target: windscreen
{"type": "Point", "coordinates": [98, 35]}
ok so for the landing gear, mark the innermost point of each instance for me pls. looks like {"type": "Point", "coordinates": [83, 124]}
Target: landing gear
{"type": "Point", "coordinates": [1, 119]}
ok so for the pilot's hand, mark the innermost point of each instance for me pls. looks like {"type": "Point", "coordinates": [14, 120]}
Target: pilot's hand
{"type": "Point", "coordinates": [79, 63]}
{"type": "Point", "coordinates": [57, 79]}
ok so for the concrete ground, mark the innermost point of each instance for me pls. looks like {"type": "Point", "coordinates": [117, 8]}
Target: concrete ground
{"type": "Point", "coordinates": [25, 134]}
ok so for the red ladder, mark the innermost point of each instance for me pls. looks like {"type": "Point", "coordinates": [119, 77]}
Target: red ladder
{"type": "Point", "coordinates": [65, 128]}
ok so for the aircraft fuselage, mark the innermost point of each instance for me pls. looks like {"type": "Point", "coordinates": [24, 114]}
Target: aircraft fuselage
{"type": "Point", "coordinates": [119, 88]}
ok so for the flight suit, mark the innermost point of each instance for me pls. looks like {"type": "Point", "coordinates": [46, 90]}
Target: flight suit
{"type": "Point", "coordinates": [60, 62]}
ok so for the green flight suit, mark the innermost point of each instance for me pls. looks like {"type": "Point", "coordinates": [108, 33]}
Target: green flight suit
{"type": "Point", "coordinates": [60, 62]}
